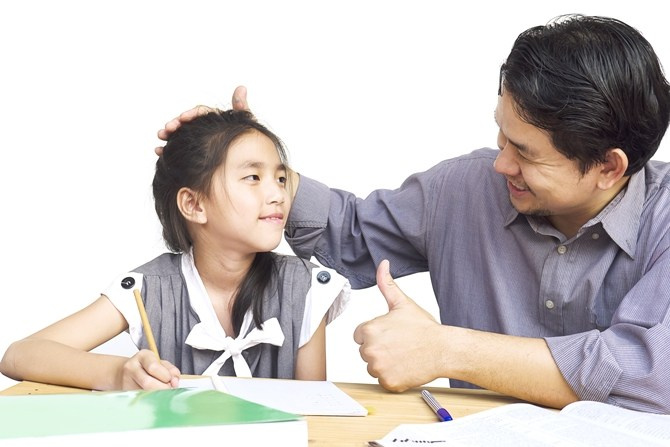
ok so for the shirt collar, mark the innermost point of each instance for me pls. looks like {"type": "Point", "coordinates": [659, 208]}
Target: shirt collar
{"type": "Point", "coordinates": [620, 218]}
{"type": "Point", "coordinates": [209, 334]}
{"type": "Point", "coordinates": [199, 299]}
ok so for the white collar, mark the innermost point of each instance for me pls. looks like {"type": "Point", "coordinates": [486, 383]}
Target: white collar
{"type": "Point", "coordinates": [209, 334]}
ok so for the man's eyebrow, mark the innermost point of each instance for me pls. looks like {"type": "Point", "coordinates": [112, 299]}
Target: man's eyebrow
{"type": "Point", "coordinates": [521, 147]}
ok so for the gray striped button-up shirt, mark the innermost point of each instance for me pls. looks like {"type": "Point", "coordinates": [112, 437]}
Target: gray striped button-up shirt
{"type": "Point", "coordinates": [601, 299]}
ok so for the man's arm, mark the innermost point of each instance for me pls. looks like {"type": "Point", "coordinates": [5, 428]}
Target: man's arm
{"type": "Point", "coordinates": [515, 366]}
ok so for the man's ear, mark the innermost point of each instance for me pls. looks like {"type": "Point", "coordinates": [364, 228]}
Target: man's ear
{"type": "Point", "coordinates": [613, 169]}
{"type": "Point", "coordinates": [190, 206]}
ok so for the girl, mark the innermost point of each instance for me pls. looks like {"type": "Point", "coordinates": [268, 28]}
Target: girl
{"type": "Point", "coordinates": [221, 195]}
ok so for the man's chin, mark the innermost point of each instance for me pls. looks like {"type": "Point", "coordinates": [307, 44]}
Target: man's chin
{"type": "Point", "coordinates": [528, 210]}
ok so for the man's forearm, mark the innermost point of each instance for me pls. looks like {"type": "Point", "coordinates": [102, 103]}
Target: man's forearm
{"type": "Point", "coordinates": [516, 366]}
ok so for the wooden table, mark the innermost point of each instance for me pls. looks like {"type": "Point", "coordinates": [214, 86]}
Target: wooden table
{"type": "Point", "coordinates": [386, 410]}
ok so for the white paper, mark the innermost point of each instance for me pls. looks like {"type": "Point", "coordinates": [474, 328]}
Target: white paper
{"type": "Point", "coordinates": [304, 397]}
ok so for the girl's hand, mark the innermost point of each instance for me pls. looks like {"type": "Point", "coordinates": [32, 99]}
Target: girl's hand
{"type": "Point", "coordinates": [144, 370]}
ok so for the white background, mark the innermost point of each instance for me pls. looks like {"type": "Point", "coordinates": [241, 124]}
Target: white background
{"type": "Point", "coordinates": [363, 93]}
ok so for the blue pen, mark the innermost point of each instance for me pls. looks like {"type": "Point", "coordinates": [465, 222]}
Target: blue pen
{"type": "Point", "coordinates": [442, 414]}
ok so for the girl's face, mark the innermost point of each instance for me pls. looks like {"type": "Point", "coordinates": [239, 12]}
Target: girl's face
{"type": "Point", "coordinates": [249, 203]}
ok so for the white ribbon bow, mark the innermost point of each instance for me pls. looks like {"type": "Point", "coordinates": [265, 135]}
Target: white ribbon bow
{"type": "Point", "coordinates": [201, 338]}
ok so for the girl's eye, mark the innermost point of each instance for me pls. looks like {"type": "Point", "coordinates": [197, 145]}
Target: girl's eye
{"type": "Point", "coordinates": [282, 180]}
{"type": "Point", "coordinates": [252, 177]}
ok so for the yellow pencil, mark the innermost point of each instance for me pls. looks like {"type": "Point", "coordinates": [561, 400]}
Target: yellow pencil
{"type": "Point", "coordinates": [145, 323]}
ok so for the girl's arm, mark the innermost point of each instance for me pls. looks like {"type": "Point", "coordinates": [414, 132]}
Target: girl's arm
{"type": "Point", "coordinates": [59, 354]}
{"type": "Point", "coordinates": [311, 358]}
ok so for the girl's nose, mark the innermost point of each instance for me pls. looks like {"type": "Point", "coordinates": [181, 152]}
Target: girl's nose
{"type": "Point", "coordinates": [275, 192]}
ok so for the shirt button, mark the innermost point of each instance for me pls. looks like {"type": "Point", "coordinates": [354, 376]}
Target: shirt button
{"type": "Point", "coordinates": [323, 277]}
{"type": "Point", "coordinates": [127, 282]}
{"type": "Point", "coordinates": [549, 304]}
{"type": "Point", "coordinates": [595, 236]}
{"type": "Point", "coordinates": [561, 249]}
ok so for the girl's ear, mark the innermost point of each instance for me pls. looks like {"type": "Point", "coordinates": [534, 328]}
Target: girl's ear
{"type": "Point", "coordinates": [613, 169]}
{"type": "Point", "coordinates": [190, 206]}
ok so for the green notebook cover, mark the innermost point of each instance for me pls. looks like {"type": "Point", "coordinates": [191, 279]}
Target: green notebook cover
{"type": "Point", "coordinates": [117, 411]}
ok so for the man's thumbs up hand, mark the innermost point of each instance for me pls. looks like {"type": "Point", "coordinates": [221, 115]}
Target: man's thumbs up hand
{"type": "Point", "coordinates": [394, 296]}
{"type": "Point", "coordinates": [399, 346]}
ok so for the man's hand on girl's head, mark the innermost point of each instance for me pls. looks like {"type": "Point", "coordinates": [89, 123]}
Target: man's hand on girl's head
{"type": "Point", "coordinates": [239, 103]}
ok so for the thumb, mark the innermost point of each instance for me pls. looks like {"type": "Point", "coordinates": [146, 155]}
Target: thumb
{"type": "Point", "coordinates": [394, 296]}
{"type": "Point", "coordinates": [240, 98]}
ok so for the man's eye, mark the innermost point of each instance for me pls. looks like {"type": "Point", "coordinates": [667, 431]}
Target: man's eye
{"type": "Point", "coordinates": [502, 141]}
{"type": "Point", "coordinates": [522, 156]}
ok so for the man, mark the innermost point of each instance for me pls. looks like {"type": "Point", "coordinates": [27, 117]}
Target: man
{"type": "Point", "coordinates": [549, 258]}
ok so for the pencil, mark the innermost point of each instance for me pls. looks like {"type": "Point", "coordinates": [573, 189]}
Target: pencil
{"type": "Point", "coordinates": [145, 323]}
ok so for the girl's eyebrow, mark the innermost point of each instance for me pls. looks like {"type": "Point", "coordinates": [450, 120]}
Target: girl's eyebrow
{"type": "Point", "coordinates": [260, 164]}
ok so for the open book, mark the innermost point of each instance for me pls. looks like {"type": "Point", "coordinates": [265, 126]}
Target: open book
{"type": "Point", "coordinates": [581, 423]}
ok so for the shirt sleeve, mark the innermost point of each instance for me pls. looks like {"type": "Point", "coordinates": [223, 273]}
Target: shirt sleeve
{"type": "Point", "coordinates": [328, 296]}
{"type": "Point", "coordinates": [628, 363]}
{"type": "Point", "coordinates": [120, 293]}
{"type": "Point", "coordinates": [353, 235]}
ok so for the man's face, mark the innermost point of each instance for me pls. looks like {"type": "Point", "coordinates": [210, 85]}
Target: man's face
{"type": "Point", "coordinates": [542, 181]}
